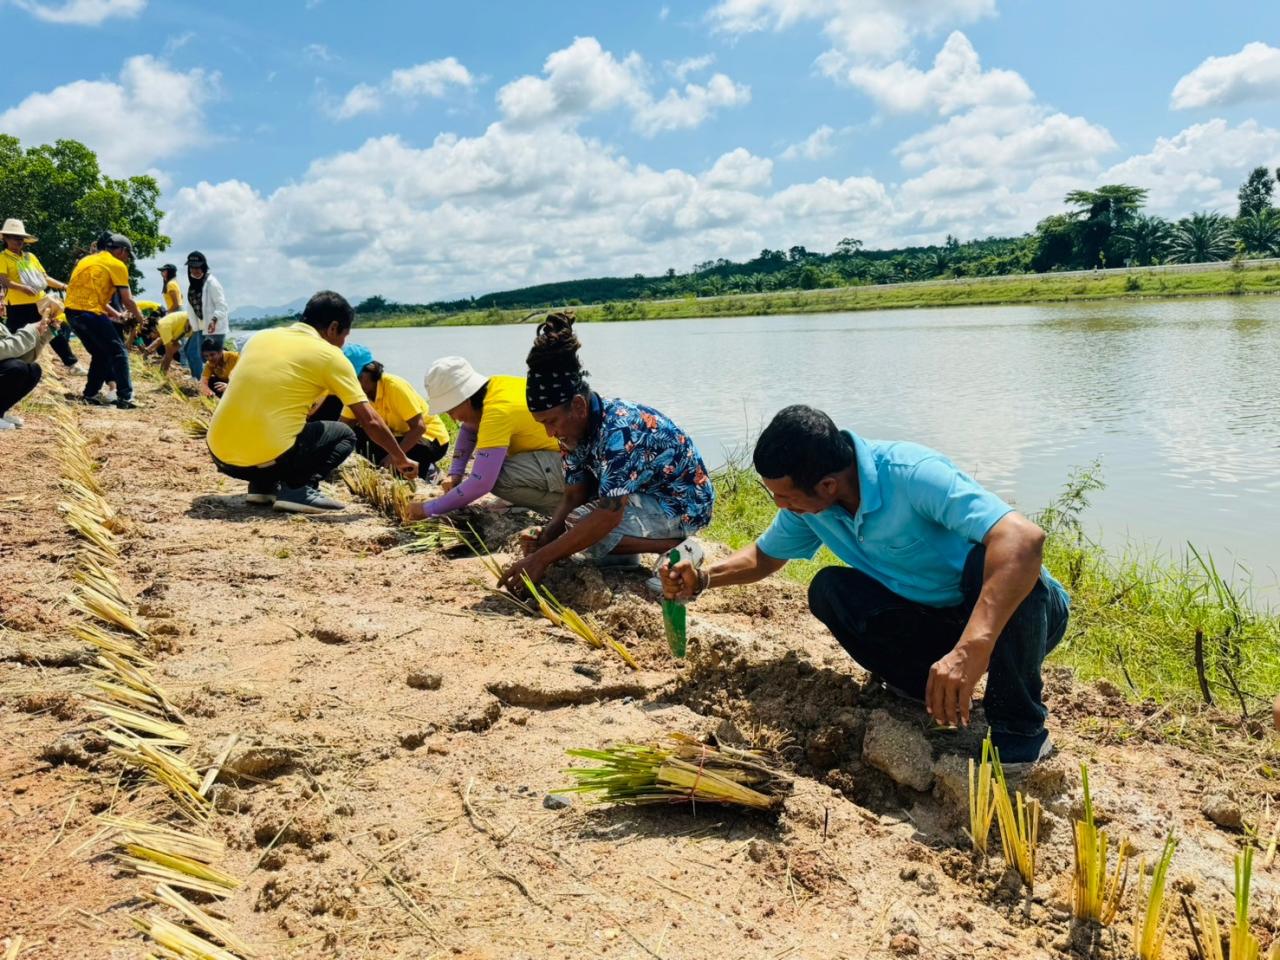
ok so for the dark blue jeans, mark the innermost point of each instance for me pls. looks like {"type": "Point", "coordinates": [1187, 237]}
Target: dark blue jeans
{"type": "Point", "coordinates": [899, 640]}
{"type": "Point", "coordinates": [108, 356]}
{"type": "Point", "coordinates": [320, 447]}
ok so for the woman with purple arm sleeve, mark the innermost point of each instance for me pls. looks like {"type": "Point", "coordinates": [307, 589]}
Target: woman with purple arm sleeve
{"type": "Point", "coordinates": [509, 453]}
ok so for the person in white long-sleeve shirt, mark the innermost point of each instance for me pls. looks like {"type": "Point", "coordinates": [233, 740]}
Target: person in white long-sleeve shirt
{"type": "Point", "coordinates": [19, 369]}
{"type": "Point", "coordinates": [207, 310]}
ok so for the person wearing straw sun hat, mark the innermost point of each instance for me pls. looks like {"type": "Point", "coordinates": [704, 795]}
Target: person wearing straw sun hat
{"type": "Point", "coordinates": [27, 285]}
{"type": "Point", "coordinates": [514, 458]}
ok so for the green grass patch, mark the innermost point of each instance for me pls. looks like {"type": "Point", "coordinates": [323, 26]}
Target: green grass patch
{"type": "Point", "coordinates": [1138, 619]}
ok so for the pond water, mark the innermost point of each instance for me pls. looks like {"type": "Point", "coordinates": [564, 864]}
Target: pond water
{"type": "Point", "coordinates": [1178, 400]}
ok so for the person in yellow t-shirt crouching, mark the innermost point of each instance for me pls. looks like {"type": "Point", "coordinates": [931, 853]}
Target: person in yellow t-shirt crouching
{"type": "Point", "coordinates": [218, 364]}
{"type": "Point", "coordinates": [171, 330]}
{"type": "Point", "coordinates": [422, 436]}
{"type": "Point", "coordinates": [260, 431]}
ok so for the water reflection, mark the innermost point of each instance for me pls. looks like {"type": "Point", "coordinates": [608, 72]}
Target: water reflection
{"type": "Point", "coordinates": [1177, 399]}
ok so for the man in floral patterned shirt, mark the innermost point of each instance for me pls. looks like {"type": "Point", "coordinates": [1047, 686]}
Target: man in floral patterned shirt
{"type": "Point", "coordinates": [634, 481]}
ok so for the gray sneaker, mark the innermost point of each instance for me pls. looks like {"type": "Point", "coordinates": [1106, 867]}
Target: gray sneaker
{"type": "Point", "coordinates": [305, 500]}
{"type": "Point", "coordinates": [262, 494]}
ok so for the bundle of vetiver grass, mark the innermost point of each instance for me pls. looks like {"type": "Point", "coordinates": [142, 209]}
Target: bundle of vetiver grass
{"type": "Point", "coordinates": [681, 770]}
{"type": "Point", "coordinates": [385, 493]}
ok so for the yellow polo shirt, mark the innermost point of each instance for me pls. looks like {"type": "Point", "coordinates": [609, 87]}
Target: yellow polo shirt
{"type": "Point", "coordinates": [22, 268]}
{"type": "Point", "coordinates": [147, 306]}
{"type": "Point", "coordinates": [94, 281]}
{"type": "Point", "coordinates": [172, 326]}
{"type": "Point", "coordinates": [220, 371]}
{"type": "Point", "coordinates": [172, 296]}
{"type": "Point", "coordinates": [506, 421]}
{"type": "Point", "coordinates": [280, 376]}
{"type": "Point", "coordinates": [397, 403]}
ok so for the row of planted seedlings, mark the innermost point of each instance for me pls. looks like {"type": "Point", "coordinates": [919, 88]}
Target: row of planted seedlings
{"type": "Point", "coordinates": [1100, 880]}
{"type": "Point", "coordinates": [146, 733]}
{"type": "Point", "coordinates": [392, 496]}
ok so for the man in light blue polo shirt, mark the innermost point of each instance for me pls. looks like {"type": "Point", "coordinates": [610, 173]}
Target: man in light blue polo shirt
{"type": "Point", "coordinates": [944, 581]}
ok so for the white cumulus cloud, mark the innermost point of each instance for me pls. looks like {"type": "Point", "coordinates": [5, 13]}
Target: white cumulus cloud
{"type": "Point", "coordinates": [682, 69]}
{"type": "Point", "coordinates": [1200, 167]}
{"type": "Point", "coordinates": [107, 115]}
{"type": "Point", "coordinates": [585, 79]}
{"type": "Point", "coordinates": [813, 147]}
{"type": "Point", "coordinates": [87, 13]}
{"type": "Point", "coordinates": [874, 29]}
{"type": "Point", "coordinates": [430, 80]}
{"type": "Point", "coordinates": [1251, 74]}
{"type": "Point", "coordinates": [956, 81]}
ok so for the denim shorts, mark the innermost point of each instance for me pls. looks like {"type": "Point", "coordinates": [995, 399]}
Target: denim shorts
{"type": "Point", "coordinates": [642, 517]}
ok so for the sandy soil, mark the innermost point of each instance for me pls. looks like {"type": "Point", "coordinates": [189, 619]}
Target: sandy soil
{"type": "Point", "coordinates": [400, 729]}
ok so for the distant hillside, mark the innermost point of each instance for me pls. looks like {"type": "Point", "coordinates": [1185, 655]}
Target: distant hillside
{"type": "Point", "coordinates": [256, 313]}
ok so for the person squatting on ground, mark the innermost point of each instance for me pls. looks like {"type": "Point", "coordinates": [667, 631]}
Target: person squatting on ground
{"type": "Point", "coordinates": [170, 329]}
{"type": "Point", "coordinates": [260, 431]}
{"type": "Point", "coordinates": [218, 364]}
{"type": "Point", "coordinates": [510, 454]}
{"type": "Point", "coordinates": [19, 369]}
{"type": "Point", "coordinates": [207, 310]}
{"type": "Point", "coordinates": [634, 481]}
{"type": "Point", "coordinates": [944, 580]}
{"type": "Point", "coordinates": [95, 281]}
{"type": "Point", "coordinates": [422, 436]}
{"type": "Point", "coordinates": [27, 285]}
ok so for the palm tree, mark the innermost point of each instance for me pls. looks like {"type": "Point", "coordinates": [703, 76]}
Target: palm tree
{"type": "Point", "coordinates": [1100, 214]}
{"type": "Point", "coordinates": [1200, 237]}
{"type": "Point", "coordinates": [1144, 240]}
{"type": "Point", "coordinates": [1260, 231]}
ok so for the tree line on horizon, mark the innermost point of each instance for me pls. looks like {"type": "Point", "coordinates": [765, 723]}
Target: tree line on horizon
{"type": "Point", "coordinates": [1104, 227]}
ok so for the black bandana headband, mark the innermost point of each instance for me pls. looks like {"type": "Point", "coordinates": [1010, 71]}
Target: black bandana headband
{"type": "Point", "coordinates": [548, 389]}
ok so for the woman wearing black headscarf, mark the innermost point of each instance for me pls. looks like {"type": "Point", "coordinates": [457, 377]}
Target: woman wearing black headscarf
{"type": "Point", "coordinates": [207, 309]}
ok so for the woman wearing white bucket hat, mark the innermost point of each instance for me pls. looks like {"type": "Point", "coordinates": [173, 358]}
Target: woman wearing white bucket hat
{"type": "Point", "coordinates": [514, 458]}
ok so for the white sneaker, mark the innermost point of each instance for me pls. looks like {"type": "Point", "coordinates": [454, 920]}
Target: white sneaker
{"type": "Point", "coordinates": [79, 368]}
{"type": "Point", "coordinates": [14, 419]}
{"type": "Point", "coordinates": [107, 395]}
{"type": "Point", "coordinates": [6, 424]}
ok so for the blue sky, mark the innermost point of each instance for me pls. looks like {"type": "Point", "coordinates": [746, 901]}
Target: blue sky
{"type": "Point", "coordinates": [427, 150]}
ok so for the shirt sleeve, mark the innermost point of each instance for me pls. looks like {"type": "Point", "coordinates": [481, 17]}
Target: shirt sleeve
{"type": "Point", "coordinates": [789, 538]}
{"type": "Point", "coordinates": [462, 448]}
{"type": "Point", "coordinates": [948, 496]}
{"type": "Point", "coordinates": [488, 465]}
{"type": "Point", "coordinates": [341, 382]}
{"type": "Point", "coordinates": [118, 272]}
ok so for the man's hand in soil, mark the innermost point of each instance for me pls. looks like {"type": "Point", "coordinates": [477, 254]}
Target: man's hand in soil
{"type": "Point", "coordinates": [949, 689]}
{"type": "Point", "coordinates": [533, 565]}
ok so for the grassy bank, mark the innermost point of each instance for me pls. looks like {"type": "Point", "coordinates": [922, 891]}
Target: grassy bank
{"type": "Point", "coordinates": [1137, 619]}
{"type": "Point", "coordinates": [1035, 288]}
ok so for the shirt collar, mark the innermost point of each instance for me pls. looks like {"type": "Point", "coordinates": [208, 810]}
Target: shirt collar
{"type": "Point", "coordinates": [869, 498]}
{"type": "Point", "coordinates": [594, 418]}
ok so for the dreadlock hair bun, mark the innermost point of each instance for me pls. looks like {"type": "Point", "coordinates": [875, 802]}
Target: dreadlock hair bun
{"type": "Point", "coordinates": [556, 346]}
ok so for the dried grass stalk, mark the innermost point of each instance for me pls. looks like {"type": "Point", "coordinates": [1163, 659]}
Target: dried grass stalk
{"type": "Point", "coordinates": [202, 920]}
{"type": "Point", "coordinates": [177, 870]}
{"type": "Point", "coordinates": [682, 770]}
{"type": "Point", "coordinates": [179, 941]}
{"type": "Point", "coordinates": [1019, 823]}
{"type": "Point", "coordinates": [165, 839]}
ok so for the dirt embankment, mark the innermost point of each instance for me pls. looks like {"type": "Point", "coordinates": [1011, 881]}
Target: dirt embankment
{"type": "Point", "coordinates": [400, 729]}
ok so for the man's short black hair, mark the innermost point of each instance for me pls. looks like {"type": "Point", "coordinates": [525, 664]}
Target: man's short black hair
{"type": "Point", "coordinates": [210, 346]}
{"type": "Point", "coordinates": [804, 445]}
{"type": "Point", "coordinates": [327, 307]}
